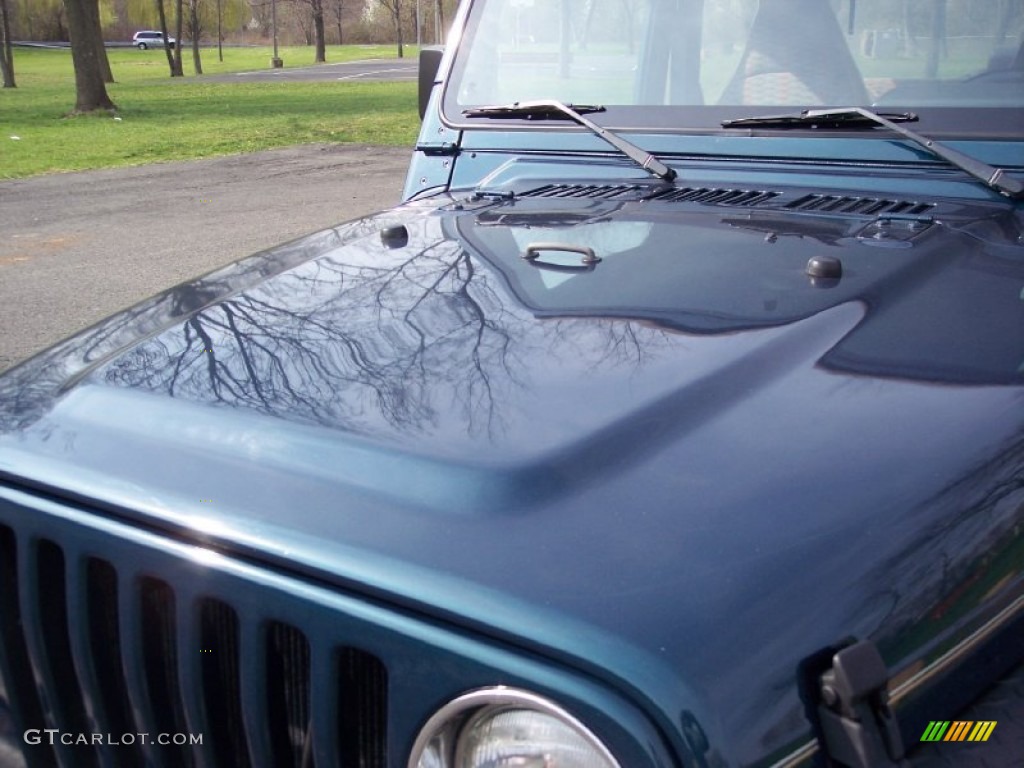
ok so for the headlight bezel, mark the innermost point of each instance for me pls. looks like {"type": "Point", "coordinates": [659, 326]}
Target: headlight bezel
{"type": "Point", "coordinates": [455, 718]}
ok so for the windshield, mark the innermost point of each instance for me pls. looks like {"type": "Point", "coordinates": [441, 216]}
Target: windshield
{"type": "Point", "coordinates": [744, 53]}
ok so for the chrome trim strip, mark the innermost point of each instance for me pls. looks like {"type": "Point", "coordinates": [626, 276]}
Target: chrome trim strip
{"type": "Point", "coordinates": [953, 654]}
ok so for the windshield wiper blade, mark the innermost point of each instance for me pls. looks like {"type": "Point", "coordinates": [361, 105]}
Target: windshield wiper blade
{"type": "Point", "coordinates": [549, 108]}
{"type": "Point", "coordinates": [990, 176]}
{"type": "Point", "coordinates": [820, 118]}
{"type": "Point", "coordinates": [533, 110]}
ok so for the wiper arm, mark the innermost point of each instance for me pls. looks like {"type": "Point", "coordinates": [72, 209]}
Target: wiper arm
{"type": "Point", "coordinates": [549, 108]}
{"type": "Point", "coordinates": [995, 178]}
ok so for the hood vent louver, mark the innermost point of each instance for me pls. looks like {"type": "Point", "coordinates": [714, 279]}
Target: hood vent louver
{"type": "Point", "coordinates": [588, 191]}
{"type": "Point", "coordinates": [733, 198]}
{"type": "Point", "coordinates": [636, 192]}
{"type": "Point", "coordinates": [742, 198]}
{"type": "Point", "coordinates": [862, 206]}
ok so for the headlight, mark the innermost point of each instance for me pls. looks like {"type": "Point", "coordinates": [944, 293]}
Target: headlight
{"type": "Point", "coordinates": [506, 728]}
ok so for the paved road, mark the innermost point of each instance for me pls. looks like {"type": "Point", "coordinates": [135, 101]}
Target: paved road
{"type": "Point", "coordinates": [76, 247]}
{"type": "Point", "coordinates": [367, 69]}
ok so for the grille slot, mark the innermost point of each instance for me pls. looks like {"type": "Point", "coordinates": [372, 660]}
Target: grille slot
{"type": "Point", "coordinates": [160, 662]}
{"type": "Point", "coordinates": [14, 661]}
{"type": "Point", "coordinates": [44, 590]}
{"type": "Point", "coordinates": [864, 206]}
{"type": "Point", "coordinates": [361, 709]}
{"type": "Point", "coordinates": [111, 706]}
{"type": "Point", "coordinates": [221, 684]}
{"type": "Point", "coordinates": [113, 652]}
{"type": "Point", "coordinates": [288, 691]}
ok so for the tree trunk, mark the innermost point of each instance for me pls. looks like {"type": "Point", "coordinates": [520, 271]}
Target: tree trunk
{"type": "Point", "coordinates": [337, 13]}
{"type": "Point", "coordinates": [101, 48]}
{"type": "Point", "coordinates": [318, 31]}
{"type": "Point", "coordinates": [90, 92]}
{"type": "Point", "coordinates": [398, 26]}
{"type": "Point", "coordinates": [394, 7]}
{"type": "Point", "coordinates": [177, 71]}
{"type": "Point", "coordinates": [6, 52]}
{"type": "Point", "coordinates": [163, 31]}
{"type": "Point", "coordinates": [193, 11]}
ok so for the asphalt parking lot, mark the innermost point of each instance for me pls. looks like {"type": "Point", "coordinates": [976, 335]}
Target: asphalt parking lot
{"type": "Point", "coordinates": [77, 247]}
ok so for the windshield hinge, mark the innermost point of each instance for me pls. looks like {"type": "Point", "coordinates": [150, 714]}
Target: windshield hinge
{"type": "Point", "coordinates": [858, 729]}
{"type": "Point", "coordinates": [442, 149]}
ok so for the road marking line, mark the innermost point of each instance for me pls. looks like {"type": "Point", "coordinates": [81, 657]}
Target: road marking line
{"type": "Point", "coordinates": [377, 72]}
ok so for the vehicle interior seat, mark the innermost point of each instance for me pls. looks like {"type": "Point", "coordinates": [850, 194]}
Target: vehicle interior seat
{"type": "Point", "coordinates": [796, 54]}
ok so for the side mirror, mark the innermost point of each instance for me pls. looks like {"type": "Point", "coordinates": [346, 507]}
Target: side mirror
{"type": "Point", "coordinates": [430, 61]}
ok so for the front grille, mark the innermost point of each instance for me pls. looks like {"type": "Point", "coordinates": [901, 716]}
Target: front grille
{"type": "Point", "coordinates": [92, 645]}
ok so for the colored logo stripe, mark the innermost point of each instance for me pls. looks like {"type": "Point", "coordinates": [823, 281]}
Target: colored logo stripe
{"type": "Point", "coordinates": [935, 731]}
{"type": "Point", "coordinates": [958, 730]}
{"type": "Point", "coordinates": [982, 730]}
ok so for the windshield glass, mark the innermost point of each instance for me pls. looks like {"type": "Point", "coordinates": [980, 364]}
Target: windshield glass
{"type": "Point", "coordinates": [743, 53]}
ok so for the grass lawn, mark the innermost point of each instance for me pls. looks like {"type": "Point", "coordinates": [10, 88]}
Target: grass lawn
{"type": "Point", "coordinates": [161, 119]}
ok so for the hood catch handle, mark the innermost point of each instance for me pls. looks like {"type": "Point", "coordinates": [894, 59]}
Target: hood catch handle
{"type": "Point", "coordinates": [858, 728]}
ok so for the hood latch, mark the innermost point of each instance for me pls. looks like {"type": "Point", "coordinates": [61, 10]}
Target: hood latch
{"type": "Point", "coordinates": [858, 728]}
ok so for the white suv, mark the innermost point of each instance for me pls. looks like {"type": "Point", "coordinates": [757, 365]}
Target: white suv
{"type": "Point", "coordinates": [150, 39]}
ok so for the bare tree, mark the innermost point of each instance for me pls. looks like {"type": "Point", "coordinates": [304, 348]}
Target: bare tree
{"type": "Point", "coordinates": [198, 19]}
{"type": "Point", "coordinates": [312, 25]}
{"type": "Point", "coordinates": [176, 69]}
{"type": "Point", "coordinates": [6, 52]}
{"type": "Point", "coordinates": [338, 9]}
{"type": "Point", "coordinates": [161, 14]}
{"type": "Point", "coordinates": [394, 8]}
{"type": "Point", "coordinates": [39, 19]}
{"type": "Point", "coordinates": [440, 18]}
{"type": "Point", "coordinates": [317, 7]}
{"type": "Point", "coordinates": [90, 91]}
{"type": "Point", "coordinates": [194, 31]}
